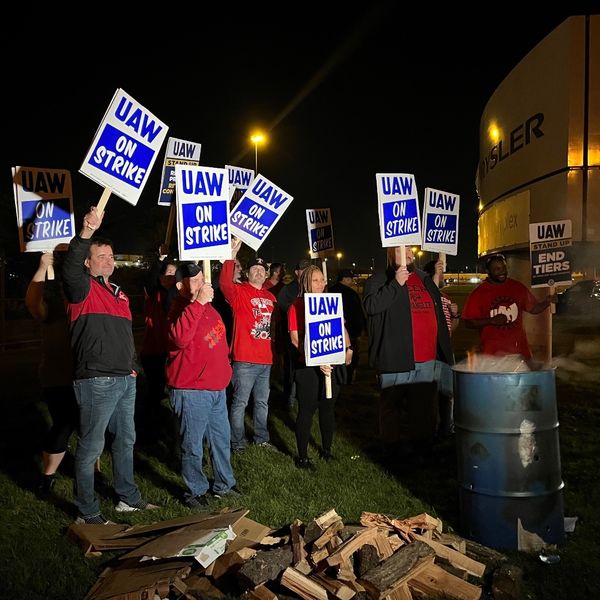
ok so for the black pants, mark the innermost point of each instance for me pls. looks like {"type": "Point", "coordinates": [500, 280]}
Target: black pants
{"type": "Point", "coordinates": [310, 392]}
{"type": "Point", "coordinates": [156, 378]}
{"type": "Point", "coordinates": [64, 412]}
{"type": "Point", "coordinates": [408, 412]}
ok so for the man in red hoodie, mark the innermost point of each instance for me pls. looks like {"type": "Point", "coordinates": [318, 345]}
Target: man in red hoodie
{"type": "Point", "coordinates": [198, 371]}
{"type": "Point", "coordinates": [251, 348]}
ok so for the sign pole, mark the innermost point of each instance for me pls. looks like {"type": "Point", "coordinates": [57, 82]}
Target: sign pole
{"type": "Point", "coordinates": [402, 255]}
{"type": "Point", "coordinates": [170, 222]}
{"type": "Point", "coordinates": [50, 270]}
{"type": "Point", "coordinates": [206, 270]}
{"type": "Point", "coordinates": [104, 200]}
{"type": "Point", "coordinates": [324, 269]}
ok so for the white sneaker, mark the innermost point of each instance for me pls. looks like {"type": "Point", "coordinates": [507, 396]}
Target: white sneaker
{"type": "Point", "coordinates": [141, 505]}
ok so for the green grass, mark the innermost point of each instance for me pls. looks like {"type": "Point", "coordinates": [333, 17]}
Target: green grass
{"type": "Point", "coordinates": [38, 561]}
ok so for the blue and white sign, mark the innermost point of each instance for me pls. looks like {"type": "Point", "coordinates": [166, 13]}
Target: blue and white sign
{"type": "Point", "coordinates": [178, 152]}
{"type": "Point", "coordinates": [324, 338]}
{"type": "Point", "coordinates": [258, 211]}
{"type": "Point", "coordinates": [399, 221]}
{"type": "Point", "coordinates": [320, 232]}
{"type": "Point", "coordinates": [239, 179]}
{"type": "Point", "coordinates": [202, 213]}
{"type": "Point", "coordinates": [124, 148]}
{"type": "Point", "coordinates": [44, 207]}
{"type": "Point", "coordinates": [440, 221]}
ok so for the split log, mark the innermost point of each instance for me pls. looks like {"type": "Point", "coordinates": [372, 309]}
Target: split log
{"type": "Point", "coordinates": [434, 582]}
{"type": "Point", "coordinates": [383, 547]}
{"type": "Point", "coordinates": [352, 545]}
{"type": "Point", "coordinates": [299, 560]}
{"type": "Point", "coordinates": [302, 585]}
{"type": "Point", "coordinates": [402, 593]}
{"type": "Point", "coordinates": [335, 587]}
{"type": "Point", "coordinates": [365, 559]}
{"type": "Point", "coordinates": [317, 526]}
{"type": "Point", "coordinates": [453, 557]}
{"type": "Point", "coordinates": [266, 565]}
{"type": "Point", "coordinates": [393, 572]}
{"type": "Point", "coordinates": [332, 530]}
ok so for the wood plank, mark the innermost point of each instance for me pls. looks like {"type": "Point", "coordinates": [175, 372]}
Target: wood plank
{"type": "Point", "coordinates": [302, 585]}
{"type": "Point", "coordinates": [455, 558]}
{"type": "Point", "coordinates": [437, 583]}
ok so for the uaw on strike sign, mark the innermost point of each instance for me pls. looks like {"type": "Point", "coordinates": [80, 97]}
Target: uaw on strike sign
{"type": "Point", "coordinates": [399, 222]}
{"type": "Point", "coordinates": [44, 206]}
{"type": "Point", "coordinates": [258, 211]}
{"type": "Point", "coordinates": [202, 213]}
{"type": "Point", "coordinates": [550, 248]}
{"type": "Point", "coordinates": [440, 221]}
{"type": "Point", "coordinates": [324, 337]}
{"type": "Point", "coordinates": [124, 148]}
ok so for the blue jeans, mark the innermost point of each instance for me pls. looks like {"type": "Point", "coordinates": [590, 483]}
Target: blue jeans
{"type": "Point", "coordinates": [249, 378]}
{"type": "Point", "coordinates": [105, 403]}
{"type": "Point", "coordinates": [201, 414]}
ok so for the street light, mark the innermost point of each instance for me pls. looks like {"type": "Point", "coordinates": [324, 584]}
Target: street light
{"type": "Point", "coordinates": [339, 256]}
{"type": "Point", "coordinates": [257, 138]}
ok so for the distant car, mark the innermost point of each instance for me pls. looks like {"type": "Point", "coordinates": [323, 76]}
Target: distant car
{"type": "Point", "coordinates": [582, 298]}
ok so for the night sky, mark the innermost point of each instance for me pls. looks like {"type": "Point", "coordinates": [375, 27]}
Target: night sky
{"type": "Point", "coordinates": [342, 96]}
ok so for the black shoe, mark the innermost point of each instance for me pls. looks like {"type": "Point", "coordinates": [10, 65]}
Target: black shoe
{"type": "Point", "coordinates": [47, 483]}
{"type": "Point", "coordinates": [98, 519]}
{"type": "Point", "coordinates": [197, 502]}
{"type": "Point", "coordinates": [326, 455]}
{"type": "Point", "coordinates": [304, 463]}
{"type": "Point", "coordinates": [239, 450]}
{"type": "Point", "coordinates": [230, 493]}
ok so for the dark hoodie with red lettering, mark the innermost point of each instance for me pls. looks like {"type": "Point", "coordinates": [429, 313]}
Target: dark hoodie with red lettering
{"type": "Point", "coordinates": [99, 319]}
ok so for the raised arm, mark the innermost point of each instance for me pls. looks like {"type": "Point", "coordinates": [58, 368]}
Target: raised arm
{"type": "Point", "coordinates": [34, 297]}
{"type": "Point", "coordinates": [380, 293]}
{"type": "Point", "coordinates": [75, 277]}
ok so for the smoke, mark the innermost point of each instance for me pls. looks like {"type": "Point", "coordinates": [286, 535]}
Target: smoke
{"type": "Point", "coordinates": [581, 366]}
{"type": "Point", "coordinates": [484, 363]}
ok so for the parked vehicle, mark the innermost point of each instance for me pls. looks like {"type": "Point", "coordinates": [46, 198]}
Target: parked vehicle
{"type": "Point", "coordinates": [581, 299]}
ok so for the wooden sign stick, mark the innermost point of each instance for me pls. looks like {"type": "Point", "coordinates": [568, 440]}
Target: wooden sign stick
{"type": "Point", "coordinates": [170, 223]}
{"type": "Point", "coordinates": [104, 200]}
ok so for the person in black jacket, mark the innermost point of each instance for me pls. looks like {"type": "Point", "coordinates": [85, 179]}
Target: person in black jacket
{"type": "Point", "coordinates": [159, 292]}
{"type": "Point", "coordinates": [105, 370]}
{"type": "Point", "coordinates": [353, 314]}
{"type": "Point", "coordinates": [409, 345]}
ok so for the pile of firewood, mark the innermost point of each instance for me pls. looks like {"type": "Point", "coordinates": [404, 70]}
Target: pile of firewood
{"type": "Point", "coordinates": [381, 558]}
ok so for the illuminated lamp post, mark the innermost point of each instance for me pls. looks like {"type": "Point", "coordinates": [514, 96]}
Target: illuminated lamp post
{"type": "Point", "coordinates": [257, 138]}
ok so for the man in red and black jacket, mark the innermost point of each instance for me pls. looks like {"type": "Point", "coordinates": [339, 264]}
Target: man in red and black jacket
{"type": "Point", "coordinates": [104, 363]}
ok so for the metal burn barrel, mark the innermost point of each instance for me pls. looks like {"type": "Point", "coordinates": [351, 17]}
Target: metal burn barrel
{"type": "Point", "coordinates": [508, 456]}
